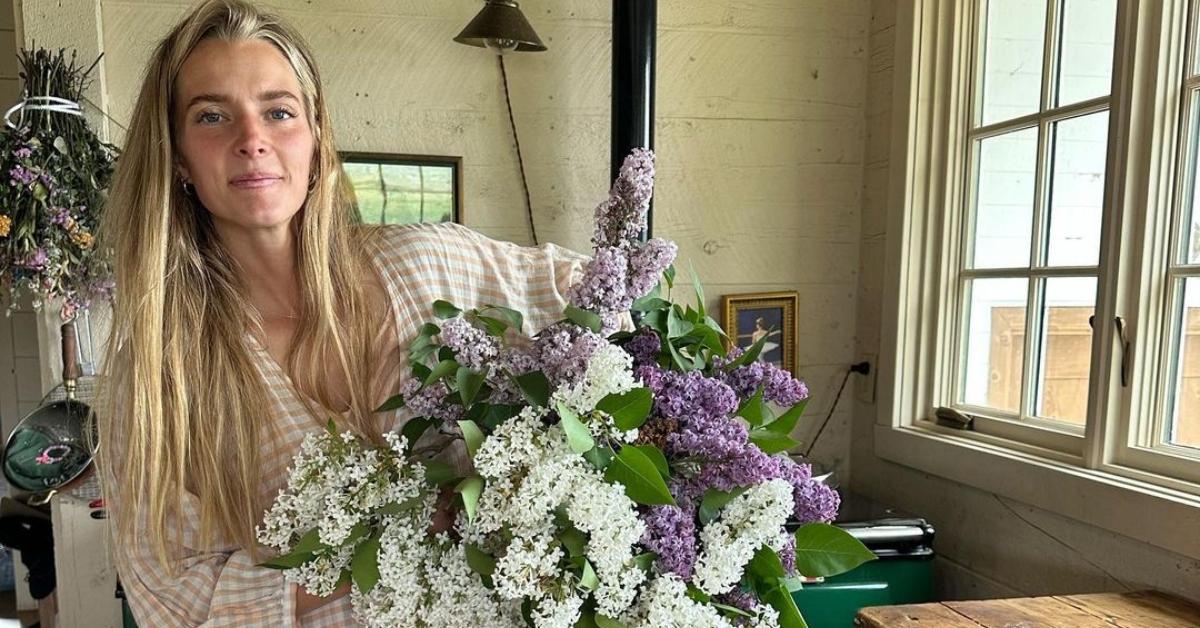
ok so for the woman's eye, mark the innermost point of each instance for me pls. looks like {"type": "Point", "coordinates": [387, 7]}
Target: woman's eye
{"type": "Point", "coordinates": [208, 117]}
{"type": "Point", "coordinates": [281, 114]}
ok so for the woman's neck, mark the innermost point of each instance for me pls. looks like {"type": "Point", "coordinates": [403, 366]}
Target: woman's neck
{"type": "Point", "coordinates": [267, 260]}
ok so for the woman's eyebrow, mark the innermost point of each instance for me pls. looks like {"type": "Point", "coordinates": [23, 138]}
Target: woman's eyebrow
{"type": "Point", "coordinates": [277, 94]}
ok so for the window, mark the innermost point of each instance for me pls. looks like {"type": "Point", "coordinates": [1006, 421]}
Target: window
{"type": "Point", "coordinates": [404, 189]}
{"type": "Point", "coordinates": [1044, 243]}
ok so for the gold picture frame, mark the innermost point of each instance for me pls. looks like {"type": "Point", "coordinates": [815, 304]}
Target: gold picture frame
{"type": "Point", "coordinates": [747, 316]}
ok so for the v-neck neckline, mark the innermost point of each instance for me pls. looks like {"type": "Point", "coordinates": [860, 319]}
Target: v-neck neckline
{"type": "Point", "coordinates": [374, 260]}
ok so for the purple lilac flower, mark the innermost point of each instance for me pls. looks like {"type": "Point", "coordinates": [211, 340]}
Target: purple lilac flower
{"type": "Point", "coordinates": [603, 286]}
{"type": "Point", "coordinates": [691, 396]}
{"type": "Point", "coordinates": [816, 502]}
{"type": "Point", "coordinates": [511, 360]}
{"type": "Point", "coordinates": [19, 176]}
{"type": "Point", "coordinates": [644, 347]}
{"type": "Point", "coordinates": [563, 352]}
{"type": "Point", "coordinates": [647, 263]}
{"type": "Point", "coordinates": [739, 599]}
{"type": "Point", "coordinates": [621, 217]}
{"type": "Point", "coordinates": [671, 534]}
{"type": "Point", "coordinates": [23, 153]}
{"type": "Point", "coordinates": [428, 401]}
{"type": "Point", "coordinates": [788, 554]}
{"type": "Point", "coordinates": [651, 377]}
{"type": "Point", "coordinates": [778, 385]}
{"type": "Point", "coordinates": [472, 346]}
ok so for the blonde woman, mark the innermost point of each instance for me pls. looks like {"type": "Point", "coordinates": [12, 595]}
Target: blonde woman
{"type": "Point", "coordinates": [252, 307]}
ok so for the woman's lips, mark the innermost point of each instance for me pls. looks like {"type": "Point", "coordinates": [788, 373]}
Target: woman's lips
{"type": "Point", "coordinates": [255, 182]}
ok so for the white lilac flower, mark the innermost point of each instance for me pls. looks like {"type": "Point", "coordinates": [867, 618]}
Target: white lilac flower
{"type": "Point", "coordinates": [665, 604]}
{"type": "Point", "coordinates": [610, 371]}
{"type": "Point", "coordinates": [527, 562]}
{"type": "Point", "coordinates": [552, 612]}
{"type": "Point", "coordinates": [748, 522]}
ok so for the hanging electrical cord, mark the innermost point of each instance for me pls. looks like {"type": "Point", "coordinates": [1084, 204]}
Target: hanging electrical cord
{"type": "Point", "coordinates": [520, 162]}
{"type": "Point", "coordinates": [862, 368]}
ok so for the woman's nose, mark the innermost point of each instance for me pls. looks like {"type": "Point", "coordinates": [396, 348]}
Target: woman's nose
{"type": "Point", "coordinates": [251, 139]}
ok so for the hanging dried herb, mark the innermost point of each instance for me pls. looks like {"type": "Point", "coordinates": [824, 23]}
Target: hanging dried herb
{"type": "Point", "coordinates": [57, 171]}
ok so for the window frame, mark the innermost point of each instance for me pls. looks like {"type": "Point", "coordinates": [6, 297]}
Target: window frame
{"type": "Point", "coordinates": [1097, 476]}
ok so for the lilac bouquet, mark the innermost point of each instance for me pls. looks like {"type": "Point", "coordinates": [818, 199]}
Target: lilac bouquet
{"type": "Point", "coordinates": [633, 478]}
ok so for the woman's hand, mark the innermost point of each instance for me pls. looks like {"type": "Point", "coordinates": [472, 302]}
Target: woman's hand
{"type": "Point", "coordinates": [307, 602]}
{"type": "Point", "coordinates": [444, 513]}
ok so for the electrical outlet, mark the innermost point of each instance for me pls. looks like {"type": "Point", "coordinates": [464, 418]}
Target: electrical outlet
{"type": "Point", "coordinates": [864, 385]}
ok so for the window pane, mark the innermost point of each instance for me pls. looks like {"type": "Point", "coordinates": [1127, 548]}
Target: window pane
{"type": "Point", "coordinates": [1012, 60]}
{"type": "Point", "coordinates": [1065, 350]}
{"type": "Point", "coordinates": [1077, 189]}
{"type": "Point", "coordinates": [1004, 200]}
{"type": "Point", "coordinates": [1190, 223]}
{"type": "Point", "coordinates": [1184, 425]}
{"type": "Point", "coordinates": [402, 193]}
{"type": "Point", "coordinates": [1086, 50]}
{"type": "Point", "coordinates": [995, 343]}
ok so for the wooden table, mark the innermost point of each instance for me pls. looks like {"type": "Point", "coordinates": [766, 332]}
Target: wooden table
{"type": "Point", "coordinates": [1142, 609]}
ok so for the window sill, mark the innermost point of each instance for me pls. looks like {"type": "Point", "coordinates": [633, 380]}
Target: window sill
{"type": "Point", "coordinates": [1137, 509]}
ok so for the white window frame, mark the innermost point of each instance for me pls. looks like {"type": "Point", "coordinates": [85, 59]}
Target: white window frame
{"type": "Point", "coordinates": [1092, 475]}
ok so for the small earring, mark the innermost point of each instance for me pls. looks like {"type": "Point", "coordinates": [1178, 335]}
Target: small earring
{"type": "Point", "coordinates": [189, 189]}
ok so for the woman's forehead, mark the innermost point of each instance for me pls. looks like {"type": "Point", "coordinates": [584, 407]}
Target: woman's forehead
{"type": "Point", "coordinates": [224, 69]}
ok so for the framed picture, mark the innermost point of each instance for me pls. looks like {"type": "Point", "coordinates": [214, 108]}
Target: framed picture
{"type": "Point", "coordinates": [749, 317]}
{"type": "Point", "coordinates": [404, 189]}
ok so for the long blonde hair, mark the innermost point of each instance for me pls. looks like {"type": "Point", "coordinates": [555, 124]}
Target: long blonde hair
{"type": "Point", "coordinates": [185, 401]}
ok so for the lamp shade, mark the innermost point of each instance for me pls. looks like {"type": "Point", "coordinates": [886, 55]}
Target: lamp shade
{"type": "Point", "coordinates": [500, 25]}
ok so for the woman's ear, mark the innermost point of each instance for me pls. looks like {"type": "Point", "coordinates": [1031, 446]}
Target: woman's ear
{"type": "Point", "coordinates": [182, 171]}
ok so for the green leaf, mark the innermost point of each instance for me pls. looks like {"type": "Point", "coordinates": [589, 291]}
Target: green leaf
{"type": "Point", "coordinates": [588, 580]}
{"type": "Point", "coordinates": [60, 145]}
{"type": "Point", "coordinates": [714, 501]}
{"type": "Point", "coordinates": [535, 387]}
{"type": "Point", "coordinates": [472, 436]}
{"type": "Point", "coordinates": [676, 326]}
{"type": "Point", "coordinates": [365, 566]}
{"type": "Point", "coordinates": [767, 566]}
{"type": "Point", "coordinates": [470, 489]}
{"type": "Point", "coordinates": [656, 456]}
{"type": "Point", "coordinates": [438, 472]}
{"type": "Point", "coordinates": [770, 442]}
{"type": "Point", "coordinates": [823, 550]}
{"type": "Point", "coordinates": [781, 600]}
{"type": "Point", "coordinates": [331, 428]}
{"type": "Point", "coordinates": [636, 472]}
{"type": "Point", "coordinates": [698, 288]}
{"type": "Point", "coordinates": [511, 317]}
{"type": "Point", "coordinates": [469, 383]}
{"type": "Point", "coordinates": [583, 318]}
{"type": "Point", "coordinates": [696, 594]}
{"type": "Point", "coordinates": [729, 610]}
{"type": "Point", "coordinates": [645, 560]}
{"type": "Point", "coordinates": [669, 275]}
{"type": "Point", "coordinates": [310, 542]}
{"type": "Point", "coordinates": [574, 541]}
{"type": "Point", "coordinates": [677, 357]}
{"type": "Point", "coordinates": [608, 622]}
{"type": "Point", "coordinates": [600, 457]}
{"type": "Point", "coordinates": [748, 356]}
{"type": "Point", "coordinates": [420, 371]}
{"type": "Point", "coordinates": [395, 402]}
{"type": "Point", "coordinates": [787, 421]}
{"type": "Point", "coordinates": [578, 436]}
{"type": "Point", "coordinates": [493, 326]}
{"type": "Point", "coordinates": [445, 309]}
{"type": "Point", "coordinates": [752, 409]}
{"type": "Point", "coordinates": [649, 303]}
{"type": "Point", "coordinates": [397, 508]}
{"type": "Point", "coordinates": [628, 410]}
{"type": "Point", "coordinates": [656, 320]}
{"type": "Point", "coordinates": [413, 430]}
{"type": "Point", "coordinates": [480, 561]}
{"type": "Point", "coordinates": [443, 368]}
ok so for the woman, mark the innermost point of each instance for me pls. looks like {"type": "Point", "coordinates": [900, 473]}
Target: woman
{"type": "Point", "coordinates": [251, 309]}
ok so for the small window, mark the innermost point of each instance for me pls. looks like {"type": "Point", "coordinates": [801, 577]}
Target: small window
{"type": "Point", "coordinates": [405, 189]}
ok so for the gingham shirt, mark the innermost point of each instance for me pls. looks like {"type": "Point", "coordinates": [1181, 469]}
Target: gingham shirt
{"type": "Point", "coordinates": [217, 583]}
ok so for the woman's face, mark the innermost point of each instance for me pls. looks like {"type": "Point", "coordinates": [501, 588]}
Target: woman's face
{"type": "Point", "coordinates": [242, 133]}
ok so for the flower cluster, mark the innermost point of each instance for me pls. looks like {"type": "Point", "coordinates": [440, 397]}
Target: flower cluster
{"type": "Point", "coordinates": [637, 477]}
{"type": "Point", "coordinates": [50, 208]}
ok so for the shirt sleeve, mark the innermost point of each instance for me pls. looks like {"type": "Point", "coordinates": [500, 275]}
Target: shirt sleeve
{"type": "Point", "coordinates": [208, 587]}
